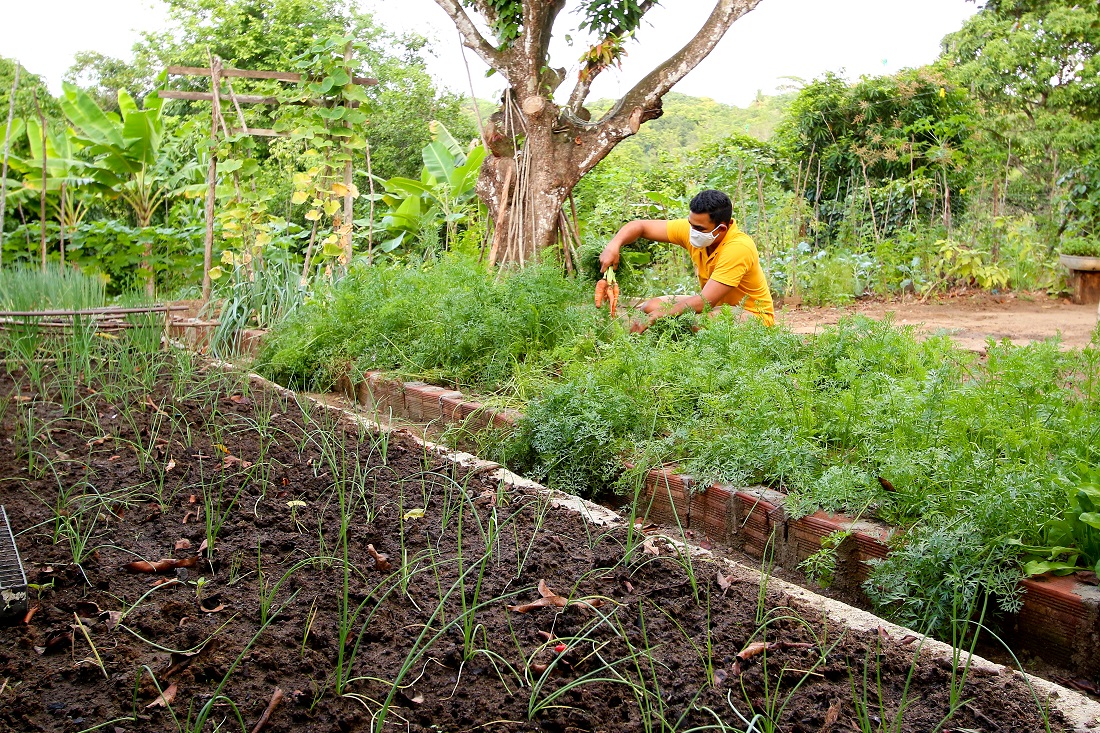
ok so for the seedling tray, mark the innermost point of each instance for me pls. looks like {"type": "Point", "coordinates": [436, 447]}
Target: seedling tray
{"type": "Point", "coordinates": [13, 581]}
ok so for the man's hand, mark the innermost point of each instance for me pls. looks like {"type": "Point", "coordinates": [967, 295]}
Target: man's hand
{"type": "Point", "coordinates": [610, 256]}
{"type": "Point", "coordinates": [650, 229]}
{"type": "Point", "coordinates": [642, 325]}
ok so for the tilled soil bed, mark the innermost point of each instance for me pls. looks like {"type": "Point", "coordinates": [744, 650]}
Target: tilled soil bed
{"type": "Point", "coordinates": [375, 585]}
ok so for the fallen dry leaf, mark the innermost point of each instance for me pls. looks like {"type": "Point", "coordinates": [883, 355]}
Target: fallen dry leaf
{"type": "Point", "coordinates": [650, 546]}
{"type": "Point", "coordinates": [832, 714]}
{"type": "Point", "coordinates": [112, 618]}
{"type": "Point", "coordinates": [549, 598]}
{"type": "Point", "coordinates": [165, 698]}
{"type": "Point", "coordinates": [30, 613]}
{"type": "Point", "coordinates": [57, 641]}
{"type": "Point", "coordinates": [87, 609]}
{"type": "Point", "coordinates": [168, 563]}
{"type": "Point", "coordinates": [724, 582]}
{"type": "Point", "coordinates": [215, 609]}
{"type": "Point", "coordinates": [170, 466]}
{"type": "Point", "coordinates": [190, 513]}
{"type": "Point", "coordinates": [183, 544]}
{"type": "Point", "coordinates": [234, 461]}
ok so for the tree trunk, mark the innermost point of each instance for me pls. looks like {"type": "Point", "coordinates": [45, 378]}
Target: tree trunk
{"type": "Point", "coordinates": [525, 205]}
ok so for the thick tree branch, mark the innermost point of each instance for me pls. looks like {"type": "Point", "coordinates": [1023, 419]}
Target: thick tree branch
{"type": "Point", "coordinates": [538, 22]}
{"type": "Point", "coordinates": [471, 37]}
{"type": "Point", "coordinates": [647, 92]}
{"type": "Point", "coordinates": [584, 81]}
{"type": "Point", "coordinates": [643, 102]}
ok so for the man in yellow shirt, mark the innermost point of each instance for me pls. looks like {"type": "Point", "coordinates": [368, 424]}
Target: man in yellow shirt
{"type": "Point", "coordinates": [725, 258]}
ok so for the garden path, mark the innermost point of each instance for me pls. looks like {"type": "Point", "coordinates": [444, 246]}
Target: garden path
{"type": "Point", "coordinates": [971, 318]}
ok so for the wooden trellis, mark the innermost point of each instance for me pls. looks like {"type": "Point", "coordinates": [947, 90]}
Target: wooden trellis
{"type": "Point", "coordinates": [216, 96]}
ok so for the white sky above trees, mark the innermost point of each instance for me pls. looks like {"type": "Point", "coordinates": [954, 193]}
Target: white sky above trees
{"type": "Point", "coordinates": [781, 38]}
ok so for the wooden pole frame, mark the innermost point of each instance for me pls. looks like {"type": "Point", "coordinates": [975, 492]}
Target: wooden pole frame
{"type": "Point", "coordinates": [216, 72]}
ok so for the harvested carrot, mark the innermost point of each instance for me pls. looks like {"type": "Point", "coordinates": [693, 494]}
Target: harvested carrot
{"type": "Point", "coordinates": [612, 289]}
{"type": "Point", "coordinates": [601, 293]}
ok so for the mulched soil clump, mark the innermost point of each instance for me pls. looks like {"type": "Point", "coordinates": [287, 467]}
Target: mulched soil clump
{"type": "Point", "coordinates": [206, 516]}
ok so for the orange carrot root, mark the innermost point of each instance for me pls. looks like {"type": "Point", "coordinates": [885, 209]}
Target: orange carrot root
{"type": "Point", "coordinates": [601, 293]}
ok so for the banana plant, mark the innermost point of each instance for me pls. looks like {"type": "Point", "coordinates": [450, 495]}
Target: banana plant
{"type": "Point", "coordinates": [439, 199]}
{"type": "Point", "coordinates": [69, 180]}
{"type": "Point", "coordinates": [130, 160]}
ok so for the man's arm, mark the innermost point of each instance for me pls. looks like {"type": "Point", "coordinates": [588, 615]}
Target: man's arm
{"type": "Point", "coordinates": [712, 295]}
{"type": "Point", "coordinates": [656, 230]}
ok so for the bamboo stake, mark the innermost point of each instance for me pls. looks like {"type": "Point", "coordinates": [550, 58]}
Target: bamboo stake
{"type": "Point", "coordinates": [211, 185]}
{"type": "Point", "coordinates": [42, 199]}
{"type": "Point", "coordinates": [61, 222]}
{"type": "Point", "coordinates": [309, 253]}
{"type": "Point", "coordinates": [7, 150]}
{"type": "Point", "coordinates": [370, 221]}
{"type": "Point", "coordinates": [349, 210]}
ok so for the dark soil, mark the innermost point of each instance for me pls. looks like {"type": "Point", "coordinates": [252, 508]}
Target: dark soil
{"type": "Point", "coordinates": [633, 656]}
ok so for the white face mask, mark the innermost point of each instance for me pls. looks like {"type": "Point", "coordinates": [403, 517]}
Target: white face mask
{"type": "Point", "coordinates": [700, 240]}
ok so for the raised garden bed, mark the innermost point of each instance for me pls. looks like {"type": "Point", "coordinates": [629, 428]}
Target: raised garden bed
{"type": "Point", "coordinates": [1059, 621]}
{"type": "Point", "coordinates": [310, 571]}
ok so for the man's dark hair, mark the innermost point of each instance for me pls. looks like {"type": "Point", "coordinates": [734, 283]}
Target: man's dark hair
{"type": "Point", "coordinates": [714, 204]}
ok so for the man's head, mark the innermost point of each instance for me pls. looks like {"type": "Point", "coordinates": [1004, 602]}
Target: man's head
{"type": "Point", "coordinates": [711, 212]}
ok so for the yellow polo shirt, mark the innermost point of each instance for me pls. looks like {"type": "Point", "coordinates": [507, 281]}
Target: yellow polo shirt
{"type": "Point", "coordinates": [734, 262]}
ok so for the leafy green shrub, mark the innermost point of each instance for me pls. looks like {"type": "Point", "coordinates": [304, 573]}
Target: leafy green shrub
{"type": "Point", "coordinates": [448, 321]}
{"type": "Point", "coordinates": [941, 574]}
{"type": "Point", "coordinates": [575, 437]}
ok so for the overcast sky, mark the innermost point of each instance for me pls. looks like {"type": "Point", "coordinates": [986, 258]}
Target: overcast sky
{"type": "Point", "coordinates": [781, 38]}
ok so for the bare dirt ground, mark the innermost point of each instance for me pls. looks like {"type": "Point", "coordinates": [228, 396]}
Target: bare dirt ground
{"type": "Point", "coordinates": [971, 318]}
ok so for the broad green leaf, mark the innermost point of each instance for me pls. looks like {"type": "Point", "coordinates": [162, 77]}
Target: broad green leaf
{"type": "Point", "coordinates": [464, 177]}
{"type": "Point", "coordinates": [442, 134]}
{"type": "Point", "coordinates": [1037, 567]}
{"type": "Point", "coordinates": [86, 116]}
{"type": "Point", "coordinates": [331, 207]}
{"type": "Point", "coordinates": [142, 137]}
{"type": "Point", "coordinates": [216, 273]}
{"type": "Point", "coordinates": [1092, 519]}
{"type": "Point", "coordinates": [332, 250]}
{"type": "Point", "coordinates": [231, 165]}
{"type": "Point", "coordinates": [408, 185]}
{"type": "Point", "coordinates": [391, 244]}
{"type": "Point", "coordinates": [438, 161]}
{"type": "Point", "coordinates": [299, 197]}
{"type": "Point", "coordinates": [126, 104]}
{"type": "Point", "coordinates": [16, 132]}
